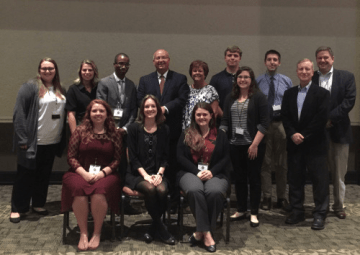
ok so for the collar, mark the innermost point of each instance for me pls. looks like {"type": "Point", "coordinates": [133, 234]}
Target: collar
{"type": "Point", "coordinates": [330, 72]}
{"type": "Point", "coordinates": [165, 74]}
{"type": "Point", "coordinates": [306, 87]}
{"type": "Point", "coordinates": [267, 75]}
{"type": "Point", "coordinates": [229, 74]}
{"type": "Point", "coordinates": [117, 79]}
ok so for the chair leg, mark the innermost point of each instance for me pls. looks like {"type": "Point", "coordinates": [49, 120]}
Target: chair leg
{"type": "Point", "coordinates": [112, 219]}
{"type": "Point", "coordinates": [168, 209]}
{"type": "Point", "coordinates": [227, 238]}
{"type": "Point", "coordinates": [122, 216]}
{"type": "Point", "coordinates": [181, 217]}
{"type": "Point", "coordinates": [65, 225]}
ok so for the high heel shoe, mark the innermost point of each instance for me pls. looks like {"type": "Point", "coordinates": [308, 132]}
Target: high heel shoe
{"type": "Point", "coordinates": [193, 240]}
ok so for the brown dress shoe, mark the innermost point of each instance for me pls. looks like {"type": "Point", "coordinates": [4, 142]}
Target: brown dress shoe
{"type": "Point", "coordinates": [340, 214]}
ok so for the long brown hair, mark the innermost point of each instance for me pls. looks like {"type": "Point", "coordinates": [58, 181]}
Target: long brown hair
{"type": "Point", "coordinates": [87, 125]}
{"type": "Point", "coordinates": [193, 137]}
{"type": "Point", "coordinates": [159, 119]}
{"type": "Point", "coordinates": [95, 79]}
{"type": "Point", "coordinates": [59, 92]}
{"type": "Point", "coordinates": [235, 93]}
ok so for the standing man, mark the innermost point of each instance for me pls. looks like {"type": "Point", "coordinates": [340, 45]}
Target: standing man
{"type": "Point", "coordinates": [342, 87]}
{"type": "Point", "coordinates": [305, 112]}
{"type": "Point", "coordinates": [273, 85]}
{"type": "Point", "coordinates": [120, 93]}
{"type": "Point", "coordinates": [224, 80]}
{"type": "Point", "coordinates": [172, 90]}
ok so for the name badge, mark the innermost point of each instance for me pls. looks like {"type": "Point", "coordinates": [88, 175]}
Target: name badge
{"type": "Point", "coordinates": [118, 112]}
{"type": "Point", "coordinates": [55, 115]}
{"type": "Point", "coordinates": [239, 131]}
{"type": "Point", "coordinates": [277, 107]}
{"type": "Point", "coordinates": [202, 166]}
{"type": "Point", "coordinates": [94, 169]}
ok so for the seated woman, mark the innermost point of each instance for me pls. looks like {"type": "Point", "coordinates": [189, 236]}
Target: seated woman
{"type": "Point", "coordinates": [203, 155]}
{"type": "Point", "coordinates": [148, 144]}
{"type": "Point", "coordinates": [93, 155]}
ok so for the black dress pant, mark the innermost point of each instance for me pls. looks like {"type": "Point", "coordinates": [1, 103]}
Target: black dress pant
{"type": "Point", "coordinates": [32, 184]}
{"type": "Point", "coordinates": [301, 162]}
{"type": "Point", "coordinates": [247, 171]}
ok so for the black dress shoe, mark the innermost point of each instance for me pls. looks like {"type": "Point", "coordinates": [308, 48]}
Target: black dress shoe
{"type": "Point", "coordinates": [211, 248]}
{"type": "Point", "coordinates": [148, 238]}
{"type": "Point", "coordinates": [254, 224]}
{"type": "Point", "coordinates": [42, 212]}
{"type": "Point", "coordinates": [170, 240]}
{"type": "Point", "coordinates": [193, 240]}
{"type": "Point", "coordinates": [294, 219]}
{"type": "Point", "coordinates": [164, 235]}
{"type": "Point", "coordinates": [266, 203]}
{"type": "Point", "coordinates": [283, 204]}
{"type": "Point", "coordinates": [340, 214]}
{"type": "Point", "coordinates": [318, 224]}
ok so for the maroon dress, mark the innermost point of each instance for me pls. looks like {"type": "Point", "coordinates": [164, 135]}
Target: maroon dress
{"type": "Point", "coordinates": [106, 151]}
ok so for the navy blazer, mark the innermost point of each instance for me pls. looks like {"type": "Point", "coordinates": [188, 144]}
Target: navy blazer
{"type": "Point", "coordinates": [314, 116]}
{"type": "Point", "coordinates": [174, 97]}
{"type": "Point", "coordinates": [342, 100]}
{"type": "Point", "coordinates": [108, 91]}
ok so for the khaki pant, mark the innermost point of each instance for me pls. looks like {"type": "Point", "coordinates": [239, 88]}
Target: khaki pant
{"type": "Point", "coordinates": [275, 159]}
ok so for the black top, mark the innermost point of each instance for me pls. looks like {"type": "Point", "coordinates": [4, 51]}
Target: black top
{"type": "Point", "coordinates": [138, 154]}
{"type": "Point", "coordinates": [222, 82]}
{"type": "Point", "coordinates": [77, 99]}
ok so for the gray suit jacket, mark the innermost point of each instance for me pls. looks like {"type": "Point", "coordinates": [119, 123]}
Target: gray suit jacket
{"type": "Point", "coordinates": [342, 100]}
{"type": "Point", "coordinates": [109, 92]}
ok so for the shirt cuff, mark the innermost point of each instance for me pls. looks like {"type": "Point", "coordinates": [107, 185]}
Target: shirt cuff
{"type": "Point", "coordinates": [166, 110]}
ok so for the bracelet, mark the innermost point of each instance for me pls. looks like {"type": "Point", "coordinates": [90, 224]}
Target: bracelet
{"type": "Point", "coordinates": [160, 174]}
{"type": "Point", "coordinates": [104, 172]}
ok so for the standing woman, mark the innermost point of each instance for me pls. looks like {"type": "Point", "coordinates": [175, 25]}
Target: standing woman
{"type": "Point", "coordinates": [203, 146]}
{"type": "Point", "coordinates": [148, 144]}
{"type": "Point", "coordinates": [246, 120]}
{"type": "Point", "coordinates": [93, 155]}
{"type": "Point", "coordinates": [200, 91]}
{"type": "Point", "coordinates": [81, 93]}
{"type": "Point", "coordinates": [39, 128]}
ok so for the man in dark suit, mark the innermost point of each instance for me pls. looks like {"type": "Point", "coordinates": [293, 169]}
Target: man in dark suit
{"type": "Point", "coordinates": [305, 111]}
{"type": "Point", "coordinates": [172, 90]}
{"type": "Point", "coordinates": [342, 87]}
{"type": "Point", "coordinates": [120, 93]}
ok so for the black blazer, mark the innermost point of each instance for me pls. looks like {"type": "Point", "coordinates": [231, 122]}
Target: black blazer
{"type": "Point", "coordinates": [219, 162]}
{"type": "Point", "coordinates": [257, 114]}
{"type": "Point", "coordinates": [109, 92]}
{"type": "Point", "coordinates": [174, 97]}
{"type": "Point", "coordinates": [342, 100]}
{"type": "Point", "coordinates": [314, 116]}
{"type": "Point", "coordinates": [137, 155]}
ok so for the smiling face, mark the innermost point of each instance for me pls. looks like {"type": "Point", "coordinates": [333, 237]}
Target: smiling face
{"type": "Point", "coordinates": [161, 61]}
{"type": "Point", "coordinates": [324, 61]}
{"type": "Point", "coordinates": [98, 114]}
{"type": "Point", "coordinates": [244, 80]}
{"type": "Point", "coordinates": [87, 72]}
{"type": "Point", "coordinates": [202, 117]}
{"type": "Point", "coordinates": [272, 62]}
{"type": "Point", "coordinates": [121, 66]}
{"type": "Point", "coordinates": [47, 72]}
{"type": "Point", "coordinates": [150, 110]}
{"type": "Point", "coordinates": [305, 71]}
{"type": "Point", "coordinates": [232, 59]}
{"type": "Point", "coordinates": [198, 75]}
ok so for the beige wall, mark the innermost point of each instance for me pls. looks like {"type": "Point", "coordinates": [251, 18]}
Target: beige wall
{"type": "Point", "coordinates": [72, 30]}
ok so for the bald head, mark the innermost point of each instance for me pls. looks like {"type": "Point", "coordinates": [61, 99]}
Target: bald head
{"type": "Point", "coordinates": [161, 61]}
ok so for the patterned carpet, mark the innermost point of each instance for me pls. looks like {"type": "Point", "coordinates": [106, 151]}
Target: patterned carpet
{"type": "Point", "coordinates": [43, 235]}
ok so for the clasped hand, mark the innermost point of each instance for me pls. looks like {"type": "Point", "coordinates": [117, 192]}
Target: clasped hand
{"type": "Point", "coordinates": [205, 175]}
{"type": "Point", "coordinates": [154, 179]}
{"type": "Point", "coordinates": [92, 178]}
{"type": "Point", "coordinates": [297, 138]}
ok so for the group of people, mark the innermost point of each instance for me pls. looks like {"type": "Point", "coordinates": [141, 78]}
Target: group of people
{"type": "Point", "coordinates": [165, 135]}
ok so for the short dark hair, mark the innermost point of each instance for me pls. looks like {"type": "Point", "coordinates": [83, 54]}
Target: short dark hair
{"type": "Point", "coordinates": [121, 54]}
{"type": "Point", "coordinates": [197, 64]}
{"type": "Point", "coordinates": [273, 52]}
{"type": "Point", "coordinates": [233, 49]}
{"type": "Point", "coordinates": [324, 48]}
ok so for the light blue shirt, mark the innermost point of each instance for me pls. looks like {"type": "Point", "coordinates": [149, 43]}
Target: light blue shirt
{"type": "Point", "coordinates": [281, 83]}
{"type": "Point", "coordinates": [301, 97]}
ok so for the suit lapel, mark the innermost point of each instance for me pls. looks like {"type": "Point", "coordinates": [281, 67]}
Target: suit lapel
{"type": "Point", "coordinates": [167, 84]}
{"type": "Point", "coordinates": [155, 83]}
{"type": "Point", "coordinates": [114, 86]}
{"type": "Point", "coordinates": [336, 83]}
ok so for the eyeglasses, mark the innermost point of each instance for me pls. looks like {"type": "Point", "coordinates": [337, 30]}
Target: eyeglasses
{"type": "Point", "coordinates": [123, 64]}
{"type": "Point", "coordinates": [44, 69]}
{"type": "Point", "coordinates": [243, 77]}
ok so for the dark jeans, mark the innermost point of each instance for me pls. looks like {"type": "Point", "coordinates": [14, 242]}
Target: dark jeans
{"type": "Point", "coordinates": [247, 171]}
{"type": "Point", "coordinates": [32, 184]}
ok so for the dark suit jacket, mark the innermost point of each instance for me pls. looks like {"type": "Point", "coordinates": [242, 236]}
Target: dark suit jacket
{"type": "Point", "coordinates": [342, 100]}
{"type": "Point", "coordinates": [109, 92]}
{"type": "Point", "coordinates": [174, 97]}
{"type": "Point", "coordinates": [314, 116]}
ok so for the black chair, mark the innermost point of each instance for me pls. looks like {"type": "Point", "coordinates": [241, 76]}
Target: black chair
{"type": "Point", "coordinates": [226, 210]}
